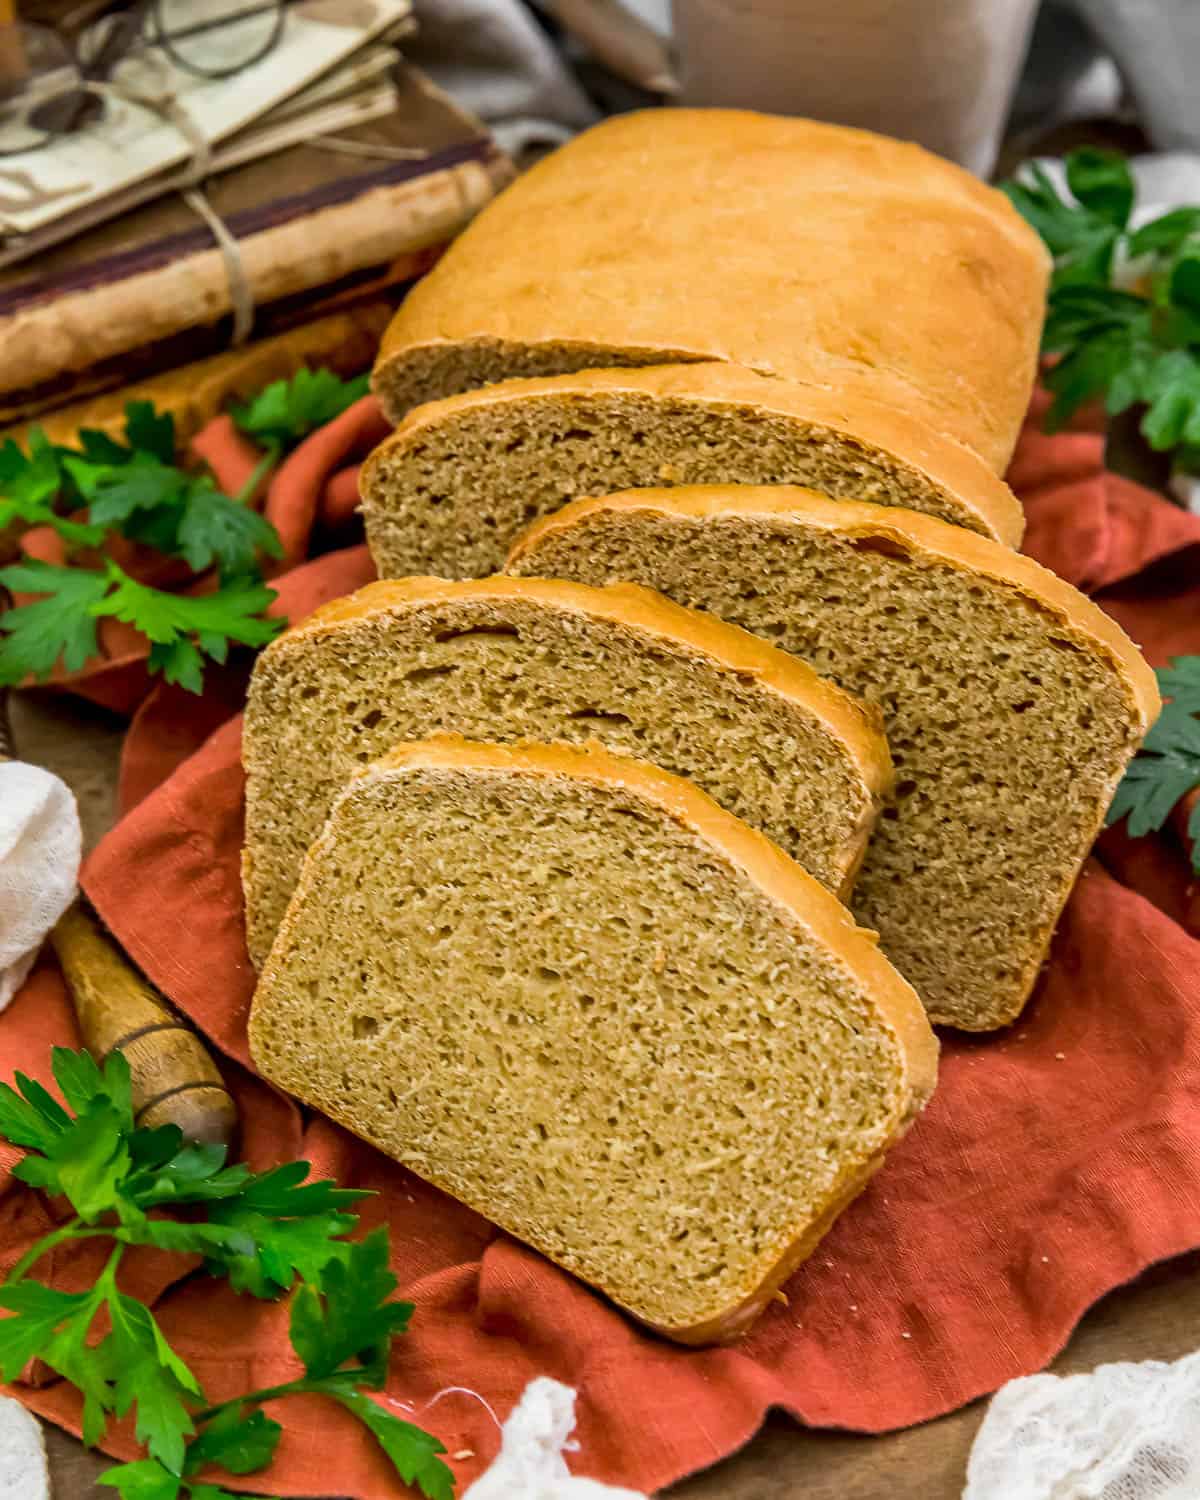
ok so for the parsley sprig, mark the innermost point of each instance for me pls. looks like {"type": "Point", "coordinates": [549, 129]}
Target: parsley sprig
{"type": "Point", "coordinates": [135, 489]}
{"type": "Point", "coordinates": [289, 410]}
{"type": "Point", "coordinates": [1124, 310]}
{"type": "Point", "coordinates": [267, 1233]}
{"type": "Point", "coordinates": [1168, 765]}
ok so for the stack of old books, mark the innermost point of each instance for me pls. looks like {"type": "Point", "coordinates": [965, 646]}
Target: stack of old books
{"type": "Point", "coordinates": [333, 175]}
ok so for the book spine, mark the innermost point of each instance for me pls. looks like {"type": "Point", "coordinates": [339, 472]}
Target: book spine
{"type": "Point", "coordinates": [46, 340]}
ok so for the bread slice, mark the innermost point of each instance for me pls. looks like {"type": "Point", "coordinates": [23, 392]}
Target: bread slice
{"type": "Point", "coordinates": [516, 658]}
{"type": "Point", "coordinates": [452, 488]}
{"type": "Point", "coordinates": [812, 252]}
{"type": "Point", "coordinates": [568, 988]}
{"type": "Point", "coordinates": [1011, 703]}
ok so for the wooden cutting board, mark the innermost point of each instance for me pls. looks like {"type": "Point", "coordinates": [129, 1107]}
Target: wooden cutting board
{"type": "Point", "coordinates": [1158, 1317]}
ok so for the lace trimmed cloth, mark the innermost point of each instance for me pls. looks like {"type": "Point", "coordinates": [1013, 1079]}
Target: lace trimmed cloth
{"type": "Point", "coordinates": [1124, 1432]}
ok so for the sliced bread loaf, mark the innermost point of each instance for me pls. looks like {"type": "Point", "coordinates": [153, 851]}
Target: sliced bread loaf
{"type": "Point", "coordinates": [452, 488]}
{"type": "Point", "coordinates": [1011, 703]}
{"type": "Point", "coordinates": [569, 989]}
{"type": "Point", "coordinates": [513, 658]}
{"type": "Point", "coordinates": [813, 252]}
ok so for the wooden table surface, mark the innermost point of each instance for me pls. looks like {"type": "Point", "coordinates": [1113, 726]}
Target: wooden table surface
{"type": "Point", "coordinates": [1156, 1318]}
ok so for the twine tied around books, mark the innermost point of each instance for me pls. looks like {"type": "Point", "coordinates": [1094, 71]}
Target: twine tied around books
{"type": "Point", "coordinates": [171, 112]}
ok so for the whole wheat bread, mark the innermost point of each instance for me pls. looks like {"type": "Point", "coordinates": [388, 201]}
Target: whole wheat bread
{"type": "Point", "coordinates": [569, 989]}
{"type": "Point", "coordinates": [812, 252]}
{"type": "Point", "coordinates": [511, 658]}
{"type": "Point", "coordinates": [452, 488]}
{"type": "Point", "coordinates": [1011, 703]}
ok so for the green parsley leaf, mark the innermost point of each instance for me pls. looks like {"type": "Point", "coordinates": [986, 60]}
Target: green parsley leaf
{"type": "Point", "coordinates": [1102, 183]}
{"type": "Point", "coordinates": [1164, 235]}
{"type": "Point", "coordinates": [82, 1080]}
{"type": "Point", "coordinates": [60, 625]}
{"type": "Point", "coordinates": [1082, 242]}
{"type": "Point", "coordinates": [261, 1230]}
{"type": "Point", "coordinates": [92, 1158]}
{"type": "Point", "coordinates": [293, 1226]}
{"type": "Point", "coordinates": [1168, 765]}
{"type": "Point", "coordinates": [233, 612]}
{"type": "Point", "coordinates": [144, 1480]}
{"type": "Point", "coordinates": [1179, 681]}
{"type": "Point", "coordinates": [1183, 282]}
{"type": "Point", "coordinates": [350, 1318]}
{"type": "Point", "coordinates": [193, 1173]}
{"type": "Point", "coordinates": [148, 1375]}
{"type": "Point", "coordinates": [40, 1311]}
{"type": "Point", "coordinates": [29, 486]}
{"type": "Point", "coordinates": [214, 528]}
{"type": "Point", "coordinates": [1134, 350]}
{"type": "Point", "coordinates": [99, 448]}
{"type": "Point", "coordinates": [147, 1479]}
{"type": "Point", "coordinates": [413, 1452]}
{"type": "Point", "coordinates": [150, 430]}
{"type": "Point", "coordinates": [114, 492]}
{"type": "Point", "coordinates": [241, 1443]}
{"type": "Point", "coordinates": [23, 1120]}
{"type": "Point", "coordinates": [1171, 389]}
{"type": "Point", "coordinates": [67, 1351]}
{"type": "Point", "coordinates": [289, 410]}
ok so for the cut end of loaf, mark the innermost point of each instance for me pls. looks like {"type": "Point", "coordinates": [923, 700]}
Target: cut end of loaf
{"type": "Point", "coordinates": [811, 292]}
{"type": "Point", "coordinates": [686, 1055]}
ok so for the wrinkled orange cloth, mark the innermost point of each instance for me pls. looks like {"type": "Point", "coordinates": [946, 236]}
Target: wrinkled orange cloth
{"type": "Point", "coordinates": [1057, 1160]}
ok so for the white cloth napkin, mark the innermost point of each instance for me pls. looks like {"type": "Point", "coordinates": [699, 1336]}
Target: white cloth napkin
{"type": "Point", "coordinates": [23, 1470]}
{"type": "Point", "coordinates": [40, 847]}
{"type": "Point", "coordinates": [530, 1464]}
{"type": "Point", "coordinates": [1124, 1432]}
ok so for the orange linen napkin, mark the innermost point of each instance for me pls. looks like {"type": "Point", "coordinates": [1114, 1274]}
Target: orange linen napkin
{"type": "Point", "coordinates": [1057, 1160]}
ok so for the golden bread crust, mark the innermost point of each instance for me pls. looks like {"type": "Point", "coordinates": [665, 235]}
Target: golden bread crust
{"type": "Point", "coordinates": [856, 724]}
{"type": "Point", "coordinates": [936, 539]}
{"type": "Point", "coordinates": [945, 463]}
{"type": "Point", "coordinates": [806, 903]}
{"type": "Point", "coordinates": [821, 254]}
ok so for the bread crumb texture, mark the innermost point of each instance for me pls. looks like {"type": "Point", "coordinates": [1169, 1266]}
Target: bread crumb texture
{"type": "Point", "coordinates": [1009, 720]}
{"type": "Point", "coordinates": [576, 1013]}
{"type": "Point", "coordinates": [450, 491]}
{"type": "Point", "coordinates": [523, 660]}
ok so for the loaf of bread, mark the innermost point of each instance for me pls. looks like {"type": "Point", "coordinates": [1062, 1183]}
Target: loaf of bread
{"type": "Point", "coordinates": [1012, 704]}
{"type": "Point", "coordinates": [569, 989]}
{"type": "Point", "coordinates": [812, 252]}
{"type": "Point", "coordinates": [451, 489]}
{"type": "Point", "coordinates": [509, 659]}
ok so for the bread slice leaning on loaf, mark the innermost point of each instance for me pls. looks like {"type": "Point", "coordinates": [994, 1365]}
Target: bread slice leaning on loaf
{"type": "Point", "coordinates": [569, 989]}
{"type": "Point", "coordinates": [451, 489]}
{"type": "Point", "coordinates": [1011, 703]}
{"type": "Point", "coordinates": [517, 658]}
{"type": "Point", "coordinates": [815, 253]}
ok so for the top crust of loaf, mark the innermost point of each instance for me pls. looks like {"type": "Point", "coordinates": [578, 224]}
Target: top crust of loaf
{"type": "Point", "coordinates": [814, 252]}
{"type": "Point", "coordinates": [947, 465]}
{"type": "Point", "coordinates": [858, 725]}
{"type": "Point", "coordinates": [955, 545]}
{"type": "Point", "coordinates": [806, 901]}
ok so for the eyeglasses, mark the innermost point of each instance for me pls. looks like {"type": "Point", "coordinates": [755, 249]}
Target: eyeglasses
{"type": "Point", "coordinates": [60, 91]}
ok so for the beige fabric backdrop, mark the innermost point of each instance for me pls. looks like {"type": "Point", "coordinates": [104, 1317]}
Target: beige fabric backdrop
{"type": "Point", "coordinates": [940, 72]}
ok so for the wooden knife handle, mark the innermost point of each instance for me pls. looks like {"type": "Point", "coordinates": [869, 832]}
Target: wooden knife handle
{"type": "Point", "coordinates": [175, 1081]}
